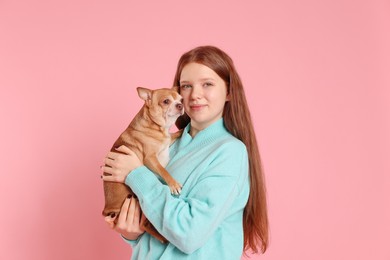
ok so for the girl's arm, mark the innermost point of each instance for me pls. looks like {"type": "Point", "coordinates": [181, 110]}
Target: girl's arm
{"type": "Point", "coordinates": [187, 221]}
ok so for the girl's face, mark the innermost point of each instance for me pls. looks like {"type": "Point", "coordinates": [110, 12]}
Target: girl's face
{"type": "Point", "coordinates": [204, 94]}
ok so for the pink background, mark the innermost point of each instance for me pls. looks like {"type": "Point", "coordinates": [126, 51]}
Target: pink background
{"type": "Point", "coordinates": [317, 77]}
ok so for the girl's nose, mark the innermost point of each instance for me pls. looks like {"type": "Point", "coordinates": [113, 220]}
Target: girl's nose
{"type": "Point", "coordinates": [196, 92]}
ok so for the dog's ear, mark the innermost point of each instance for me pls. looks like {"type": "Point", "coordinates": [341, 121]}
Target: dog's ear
{"type": "Point", "coordinates": [144, 93]}
{"type": "Point", "coordinates": [175, 88]}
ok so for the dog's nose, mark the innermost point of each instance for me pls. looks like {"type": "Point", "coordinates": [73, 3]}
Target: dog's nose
{"type": "Point", "coordinates": [179, 106]}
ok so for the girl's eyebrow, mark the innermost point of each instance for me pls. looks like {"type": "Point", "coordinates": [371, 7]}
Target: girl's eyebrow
{"type": "Point", "coordinates": [206, 79]}
{"type": "Point", "coordinates": [202, 79]}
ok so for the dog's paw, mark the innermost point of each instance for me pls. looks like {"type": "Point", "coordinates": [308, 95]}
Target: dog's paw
{"type": "Point", "coordinates": [175, 188]}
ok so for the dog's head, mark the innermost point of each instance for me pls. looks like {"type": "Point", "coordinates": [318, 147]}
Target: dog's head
{"type": "Point", "coordinates": [163, 105]}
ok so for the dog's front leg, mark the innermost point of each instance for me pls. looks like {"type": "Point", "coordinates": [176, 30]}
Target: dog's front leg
{"type": "Point", "coordinates": [153, 164]}
{"type": "Point", "coordinates": [176, 135]}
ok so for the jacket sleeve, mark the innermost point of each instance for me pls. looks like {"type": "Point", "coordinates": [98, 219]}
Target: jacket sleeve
{"type": "Point", "coordinates": [132, 243]}
{"type": "Point", "coordinates": [188, 221]}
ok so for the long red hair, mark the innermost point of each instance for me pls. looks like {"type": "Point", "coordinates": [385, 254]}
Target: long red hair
{"type": "Point", "coordinates": [238, 122]}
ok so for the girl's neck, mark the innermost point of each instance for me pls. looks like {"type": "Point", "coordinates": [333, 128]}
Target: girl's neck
{"type": "Point", "coordinates": [193, 131]}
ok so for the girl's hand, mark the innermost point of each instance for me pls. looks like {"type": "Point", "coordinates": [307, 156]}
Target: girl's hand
{"type": "Point", "coordinates": [130, 220]}
{"type": "Point", "coordinates": [119, 165]}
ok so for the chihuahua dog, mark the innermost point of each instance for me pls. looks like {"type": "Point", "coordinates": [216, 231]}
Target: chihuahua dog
{"type": "Point", "coordinates": [148, 136]}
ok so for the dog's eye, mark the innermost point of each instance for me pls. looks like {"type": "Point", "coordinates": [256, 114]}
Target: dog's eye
{"type": "Point", "coordinates": [166, 101]}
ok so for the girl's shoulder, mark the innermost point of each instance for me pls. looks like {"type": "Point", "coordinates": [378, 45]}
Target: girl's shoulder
{"type": "Point", "coordinates": [229, 141]}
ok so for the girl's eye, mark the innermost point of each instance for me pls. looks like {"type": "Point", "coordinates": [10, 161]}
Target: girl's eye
{"type": "Point", "coordinates": [208, 84]}
{"type": "Point", "coordinates": [166, 101]}
{"type": "Point", "coordinates": [185, 87]}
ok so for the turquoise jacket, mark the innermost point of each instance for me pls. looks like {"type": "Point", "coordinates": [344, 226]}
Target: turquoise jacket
{"type": "Point", "coordinates": [205, 220]}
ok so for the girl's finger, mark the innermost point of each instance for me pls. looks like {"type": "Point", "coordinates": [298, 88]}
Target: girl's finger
{"type": "Point", "coordinates": [137, 213]}
{"type": "Point", "coordinates": [110, 221]}
{"type": "Point", "coordinates": [123, 214]}
{"type": "Point", "coordinates": [124, 149]}
{"type": "Point", "coordinates": [107, 178]}
{"type": "Point", "coordinates": [130, 213]}
{"type": "Point", "coordinates": [112, 155]}
{"type": "Point", "coordinates": [108, 161]}
{"type": "Point", "coordinates": [106, 169]}
{"type": "Point", "coordinates": [142, 222]}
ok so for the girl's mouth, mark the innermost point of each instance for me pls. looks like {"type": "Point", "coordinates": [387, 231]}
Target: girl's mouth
{"type": "Point", "coordinates": [197, 107]}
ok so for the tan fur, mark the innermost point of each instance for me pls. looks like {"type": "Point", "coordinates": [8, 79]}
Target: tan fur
{"type": "Point", "coordinates": [148, 136]}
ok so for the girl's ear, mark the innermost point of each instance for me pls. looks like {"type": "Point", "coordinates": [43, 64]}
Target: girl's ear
{"type": "Point", "coordinates": [227, 97]}
{"type": "Point", "coordinates": [144, 93]}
